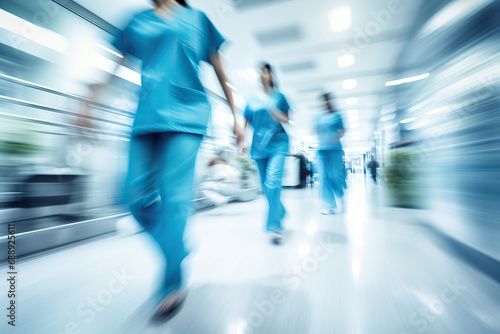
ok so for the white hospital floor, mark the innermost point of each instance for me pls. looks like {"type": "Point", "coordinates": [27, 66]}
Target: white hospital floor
{"type": "Point", "coordinates": [373, 270]}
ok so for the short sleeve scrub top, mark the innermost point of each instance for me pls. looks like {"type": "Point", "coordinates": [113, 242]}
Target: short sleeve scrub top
{"type": "Point", "coordinates": [327, 126]}
{"type": "Point", "coordinates": [172, 97]}
{"type": "Point", "coordinates": [269, 136]}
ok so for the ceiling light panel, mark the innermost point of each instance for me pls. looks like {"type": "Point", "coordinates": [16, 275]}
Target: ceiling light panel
{"type": "Point", "coordinates": [340, 18]}
{"type": "Point", "coordinates": [281, 35]}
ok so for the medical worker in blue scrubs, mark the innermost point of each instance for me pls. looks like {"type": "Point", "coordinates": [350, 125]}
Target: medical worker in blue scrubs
{"type": "Point", "coordinates": [172, 116]}
{"type": "Point", "coordinates": [266, 112]}
{"type": "Point", "coordinates": [330, 129]}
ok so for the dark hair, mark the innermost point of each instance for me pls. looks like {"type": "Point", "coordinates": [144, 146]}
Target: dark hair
{"type": "Point", "coordinates": [267, 66]}
{"type": "Point", "coordinates": [180, 2]}
{"type": "Point", "coordinates": [328, 97]}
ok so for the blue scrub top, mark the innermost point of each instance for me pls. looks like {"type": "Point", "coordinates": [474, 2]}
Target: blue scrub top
{"type": "Point", "coordinates": [326, 126]}
{"type": "Point", "coordinates": [269, 136]}
{"type": "Point", "coordinates": [172, 97]}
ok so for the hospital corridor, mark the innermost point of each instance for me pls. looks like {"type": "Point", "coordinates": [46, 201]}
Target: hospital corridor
{"type": "Point", "coordinates": [250, 166]}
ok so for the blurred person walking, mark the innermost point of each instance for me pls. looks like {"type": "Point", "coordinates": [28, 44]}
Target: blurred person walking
{"type": "Point", "coordinates": [172, 116]}
{"type": "Point", "coordinates": [266, 112]}
{"type": "Point", "coordinates": [372, 166]}
{"type": "Point", "coordinates": [330, 129]}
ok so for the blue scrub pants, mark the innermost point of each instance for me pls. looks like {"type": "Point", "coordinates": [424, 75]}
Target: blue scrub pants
{"type": "Point", "coordinates": [332, 177]}
{"type": "Point", "coordinates": [271, 173]}
{"type": "Point", "coordinates": [159, 189]}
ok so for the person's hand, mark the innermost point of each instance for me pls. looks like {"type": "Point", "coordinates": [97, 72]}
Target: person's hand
{"type": "Point", "coordinates": [240, 135]}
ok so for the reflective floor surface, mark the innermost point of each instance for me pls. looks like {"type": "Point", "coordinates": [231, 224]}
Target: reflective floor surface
{"type": "Point", "coordinates": [373, 270]}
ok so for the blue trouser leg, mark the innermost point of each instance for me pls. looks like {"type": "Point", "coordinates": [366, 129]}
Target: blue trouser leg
{"type": "Point", "coordinates": [271, 173]}
{"type": "Point", "coordinates": [332, 177]}
{"type": "Point", "coordinates": [159, 190]}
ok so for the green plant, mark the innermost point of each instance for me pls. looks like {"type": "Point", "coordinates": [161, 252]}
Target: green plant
{"type": "Point", "coordinates": [401, 175]}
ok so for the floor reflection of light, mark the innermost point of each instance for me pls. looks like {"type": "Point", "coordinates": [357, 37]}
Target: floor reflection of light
{"type": "Point", "coordinates": [356, 268]}
{"type": "Point", "coordinates": [304, 250]}
{"type": "Point", "coordinates": [311, 229]}
{"type": "Point", "coordinates": [238, 327]}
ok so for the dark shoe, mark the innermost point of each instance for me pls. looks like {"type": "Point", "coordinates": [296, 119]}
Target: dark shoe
{"type": "Point", "coordinates": [169, 306]}
{"type": "Point", "coordinates": [276, 238]}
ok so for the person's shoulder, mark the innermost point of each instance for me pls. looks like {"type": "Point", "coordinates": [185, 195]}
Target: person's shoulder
{"type": "Point", "coordinates": [196, 14]}
{"type": "Point", "coordinates": [143, 14]}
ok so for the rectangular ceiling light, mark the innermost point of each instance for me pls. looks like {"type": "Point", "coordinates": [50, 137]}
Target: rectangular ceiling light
{"type": "Point", "coordinates": [407, 80]}
{"type": "Point", "coordinates": [340, 18]}
{"type": "Point", "coordinates": [352, 112]}
{"type": "Point", "coordinates": [281, 35]}
{"type": "Point", "coordinates": [346, 60]}
{"type": "Point", "coordinates": [28, 30]}
{"type": "Point", "coordinates": [354, 118]}
{"type": "Point", "coordinates": [351, 101]}
{"type": "Point", "coordinates": [349, 84]}
{"type": "Point", "coordinates": [301, 66]}
{"type": "Point", "coordinates": [408, 120]}
{"type": "Point", "coordinates": [250, 4]}
{"type": "Point", "coordinates": [354, 125]}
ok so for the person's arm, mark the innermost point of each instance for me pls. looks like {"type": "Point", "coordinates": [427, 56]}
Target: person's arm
{"type": "Point", "coordinates": [281, 111]}
{"type": "Point", "coordinates": [216, 62]}
{"type": "Point", "coordinates": [341, 130]}
{"type": "Point", "coordinates": [279, 116]}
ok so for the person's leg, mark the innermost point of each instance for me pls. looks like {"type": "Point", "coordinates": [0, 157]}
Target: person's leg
{"type": "Point", "coordinates": [262, 165]}
{"type": "Point", "coordinates": [141, 186]}
{"type": "Point", "coordinates": [272, 183]}
{"type": "Point", "coordinates": [327, 194]}
{"type": "Point", "coordinates": [176, 157]}
{"type": "Point", "coordinates": [336, 161]}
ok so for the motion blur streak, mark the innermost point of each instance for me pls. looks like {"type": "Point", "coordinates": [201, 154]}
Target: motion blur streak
{"type": "Point", "coordinates": [416, 249]}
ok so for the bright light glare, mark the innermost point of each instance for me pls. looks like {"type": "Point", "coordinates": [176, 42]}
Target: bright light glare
{"type": "Point", "coordinates": [388, 118]}
{"type": "Point", "coordinates": [252, 73]}
{"type": "Point", "coordinates": [302, 131]}
{"type": "Point", "coordinates": [231, 86]}
{"type": "Point", "coordinates": [346, 60]}
{"type": "Point", "coordinates": [354, 118]}
{"type": "Point", "coordinates": [238, 327]}
{"type": "Point", "coordinates": [351, 101]}
{"type": "Point", "coordinates": [451, 13]}
{"type": "Point", "coordinates": [340, 18]}
{"type": "Point", "coordinates": [356, 133]}
{"type": "Point", "coordinates": [407, 80]}
{"type": "Point", "coordinates": [311, 229]}
{"type": "Point", "coordinates": [349, 84]}
{"type": "Point", "coordinates": [109, 66]}
{"type": "Point", "coordinates": [408, 120]}
{"type": "Point", "coordinates": [33, 32]}
{"type": "Point", "coordinates": [356, 138]}
{"type": "Point", "coordinates": [354, 125]}
{"type": "Point", "coordinates": [109, 50]}
{"type": "Point", "coordinates": [304, 250]}
{"type": "Point", "coordinates": [352, 112]}
{"type": "Point", "coordinates": [292, 122]}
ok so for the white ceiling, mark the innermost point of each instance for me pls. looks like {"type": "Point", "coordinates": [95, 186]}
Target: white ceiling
{"type": "Point", "coordinates": [318, 45]}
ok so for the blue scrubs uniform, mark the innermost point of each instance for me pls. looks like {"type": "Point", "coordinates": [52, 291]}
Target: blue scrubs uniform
{"type": "Point", "coordinates": [170, 122]}
{"type": "Point", "coordinates": [269, 150]}
{"type": "Point", "coordinates": [331, 156]}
